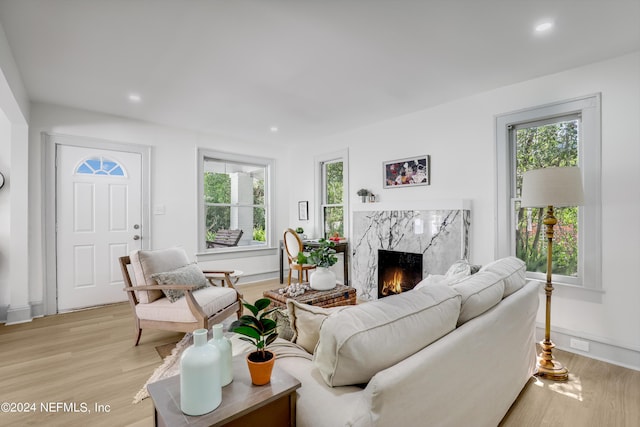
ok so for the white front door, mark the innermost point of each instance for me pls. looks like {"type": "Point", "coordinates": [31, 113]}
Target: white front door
{"type": "Point", "coordinates": [98, 214]}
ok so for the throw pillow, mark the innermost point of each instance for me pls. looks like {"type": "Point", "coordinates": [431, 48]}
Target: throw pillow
{"type": "Point", "coordinates": [306, 320]}
{"type": "Point", "coordinates": [281, 317]}
{"type": "Point", "coordinates": [458, 271]}
{"type": "Point", "coordinates": [188, 275]}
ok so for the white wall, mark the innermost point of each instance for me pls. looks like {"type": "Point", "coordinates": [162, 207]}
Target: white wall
{"type": "Point", "coordinates": [14, 107]}
{"type": "Point", "coordinates": [5, 210]}
{"type": "Point", "coordinates": [460, 138]}
{"type": "Point", "coordinates": [173, 181]}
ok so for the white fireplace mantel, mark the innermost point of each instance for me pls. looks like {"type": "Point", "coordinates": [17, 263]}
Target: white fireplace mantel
{"type": "Point", "coordinates": [413, 205]}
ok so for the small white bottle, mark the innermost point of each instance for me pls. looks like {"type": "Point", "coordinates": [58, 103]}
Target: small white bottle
{"type": "Point", "coordinates": [223, 344]}
{"type": "Point", "coordinates": [200, 388]}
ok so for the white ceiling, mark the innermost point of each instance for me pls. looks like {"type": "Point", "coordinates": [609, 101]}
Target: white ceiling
{"type": "Point", "coordinates": [311, 67]}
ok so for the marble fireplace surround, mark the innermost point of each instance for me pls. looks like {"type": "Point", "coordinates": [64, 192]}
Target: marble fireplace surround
{"type": "Point", "coordinates": [437, 229]}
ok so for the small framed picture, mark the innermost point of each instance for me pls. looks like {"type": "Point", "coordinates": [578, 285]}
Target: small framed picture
{"type": "Point", "coordinates": [407, 172]}
{"type": "Point", "coordinates": [303, 210]}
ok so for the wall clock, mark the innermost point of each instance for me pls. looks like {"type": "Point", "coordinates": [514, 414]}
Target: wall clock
{"type": "Point", "coordinates": [1, 180]}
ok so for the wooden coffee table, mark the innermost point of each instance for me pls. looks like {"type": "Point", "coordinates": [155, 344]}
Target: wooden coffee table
{"type": "Point", "coordinates": [340, 295]}
{"type": "Point", "coordinates": [243, 404]}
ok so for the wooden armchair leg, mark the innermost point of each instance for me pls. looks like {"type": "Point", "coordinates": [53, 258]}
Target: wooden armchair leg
{"type": "Point", "coordinates": [137, 336]}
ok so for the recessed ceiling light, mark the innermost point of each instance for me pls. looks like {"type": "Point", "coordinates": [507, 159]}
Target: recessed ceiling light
{"type": "Point", "coordinates": [274, 129]}
{"type": "Point", "coordinates": [545, 26]}
{"type": "Point", "coordinates": [134, 97]}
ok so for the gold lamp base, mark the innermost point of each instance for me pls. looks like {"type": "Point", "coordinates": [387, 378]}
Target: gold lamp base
{"type": "Point", "coordinates": [548, 367]}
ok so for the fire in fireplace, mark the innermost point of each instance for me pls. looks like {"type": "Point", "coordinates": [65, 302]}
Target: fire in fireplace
{"type": "Point", "coordinates": [398, 272]}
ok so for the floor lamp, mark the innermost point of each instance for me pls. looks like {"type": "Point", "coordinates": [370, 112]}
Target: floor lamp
{"type": "Point", "coordinates": [551, 187]}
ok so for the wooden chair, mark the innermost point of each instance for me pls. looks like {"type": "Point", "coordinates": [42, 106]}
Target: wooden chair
{"type": "Point", "coordinates": [293, 245]}
{"type": "Point", "coordinates": [225, 239]}
{"type": "Point", "coordinates": [199, 308]}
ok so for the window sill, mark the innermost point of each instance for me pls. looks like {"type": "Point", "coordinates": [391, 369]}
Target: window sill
{"type": "Point", "coordinates": [235, 252]}
{"type": "Point", "coordinates": [563, 290]}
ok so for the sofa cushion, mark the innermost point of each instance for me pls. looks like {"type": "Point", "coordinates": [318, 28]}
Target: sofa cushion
{"type": "Point", "coordinates": [305, 320]}
{"type": "Point", "coordinates": [513, 270]}
{"type": "Point", "coordinates": [212, 299]}
{"type": "Point", "coordinates": [146, 263]}
{"type": "Point", "coordinates": [479, 293]}
{"type": "Point", "coordinates": [357, 343]}
{"type": "Point", "coordinates": [190, 274]}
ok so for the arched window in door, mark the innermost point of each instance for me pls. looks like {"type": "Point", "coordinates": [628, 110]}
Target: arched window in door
{"type": "Point", "coordinates": [99, 165]}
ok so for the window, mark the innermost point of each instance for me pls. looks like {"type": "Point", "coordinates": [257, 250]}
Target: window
{"type": "Point", "coordinates": [333, 171]}
{"type": "Point", "coordinates": [563, 134]}
{"type": "Point", "coordinates": [234, 195]}
{"type": "Point", "coordinates": [100, 166]}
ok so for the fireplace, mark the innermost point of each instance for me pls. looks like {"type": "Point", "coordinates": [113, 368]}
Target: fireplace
{"type": "Point", "coordinates": [398, 272]}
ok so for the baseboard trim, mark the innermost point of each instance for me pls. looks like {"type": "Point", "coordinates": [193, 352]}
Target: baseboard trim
{"type": "Point", "coordinates": [609, 352]}
{"type": "Point", "coordinates": [18, 315]}
{"type": "Point", "coordinates": [247, 279]}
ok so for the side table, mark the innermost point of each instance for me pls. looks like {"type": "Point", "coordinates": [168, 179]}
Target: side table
{"type": "Point", "coordinates": [243, 404]}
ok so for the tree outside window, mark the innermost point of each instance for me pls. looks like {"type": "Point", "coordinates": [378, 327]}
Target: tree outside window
{"type": "Point", "coordinates": [234, 198]}
{"type": "Point", "coordinates": [541, 146]}
{"type": "Point", "coordinates": [333, 198]}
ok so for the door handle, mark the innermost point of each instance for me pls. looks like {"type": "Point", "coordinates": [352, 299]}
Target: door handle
{"type": "Point", "coordinates": [136, 237]}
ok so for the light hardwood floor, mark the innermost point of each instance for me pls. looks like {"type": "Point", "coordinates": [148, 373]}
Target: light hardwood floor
{"type": "Point", "coordinates": [88, 357]}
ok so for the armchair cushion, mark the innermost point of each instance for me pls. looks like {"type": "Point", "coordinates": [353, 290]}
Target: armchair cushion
{"type": "Point", "coordinates": [211, 298]}
{"type": "Point", "coordinates": [147, 263]}
{"type": "Point", "coordinates": [188, 275]}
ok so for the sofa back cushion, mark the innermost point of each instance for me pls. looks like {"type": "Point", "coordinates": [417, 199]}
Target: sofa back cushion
{"type": "Point", "coordinates": [513, 270]}
{"type": "Point", "coordinates": [357, 343]}
{"type": "Point", "coordinates": [479, 292]}
{"type": "Point", "coordinates": [147, 263]}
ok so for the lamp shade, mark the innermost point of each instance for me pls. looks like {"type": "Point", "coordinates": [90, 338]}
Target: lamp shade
{"type": "Point", "coordinates": [552, 187]}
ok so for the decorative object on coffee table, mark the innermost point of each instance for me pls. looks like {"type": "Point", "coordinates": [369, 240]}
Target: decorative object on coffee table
{"type": "Point", "coordinates": [200, 389]}
{"type": "Point", "coordinates": [551, 187]}
{"type": "Point", "coordinates": [338, 296]}
{"type": "Point", "coordinates": [324, 256]}
{"type": "Point", "coordinates": [223, 345]}
{"type": "Point", "coordinates": [261, 331]}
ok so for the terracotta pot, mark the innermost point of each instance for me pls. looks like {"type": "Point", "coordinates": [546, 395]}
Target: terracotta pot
{"type": "Point", "coordinates": [261, 371]}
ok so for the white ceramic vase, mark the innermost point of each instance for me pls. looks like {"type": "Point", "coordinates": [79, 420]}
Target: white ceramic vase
{"type": "Point", "coordinates": [224, 346]}
{"type": "Point", "coordinates": [200, 387]}
{"type": "Point", "coordinates": [322, 279]}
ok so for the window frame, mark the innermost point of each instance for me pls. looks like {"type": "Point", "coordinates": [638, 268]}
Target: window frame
{"type": "Point", "coordinates": [337, 156]}
{"type": "Point", "coordinates": [589, 160]}
{"type": "Point", "coordinates": [269, 164]}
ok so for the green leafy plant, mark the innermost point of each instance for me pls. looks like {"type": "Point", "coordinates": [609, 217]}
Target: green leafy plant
{"type": "Point", "coordinates": [322, 256]}
{"type": "Point", "coordinates": [299, 230]}
{"type": "Point", "coordinates": [258, 328]}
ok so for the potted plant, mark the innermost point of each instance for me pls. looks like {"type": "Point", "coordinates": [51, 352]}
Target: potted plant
{"type": "Point", "coordinates": [323, 256]}
{"type": "Point", "coordinates": [364, 193]}
{"type": "Point", "coordinates": [261, 331]}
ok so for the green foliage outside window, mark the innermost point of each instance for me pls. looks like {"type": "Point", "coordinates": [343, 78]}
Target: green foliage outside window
{"type": "Point", "coordinates": [217, 189]}
{"type": "Point", "coordinates": [539, 147]}
{"type": "Point", "coordinates": [334, 215]}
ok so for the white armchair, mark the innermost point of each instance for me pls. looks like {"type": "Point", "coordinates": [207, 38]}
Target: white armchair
{"type": "Point", "coordinates": [170, 293]}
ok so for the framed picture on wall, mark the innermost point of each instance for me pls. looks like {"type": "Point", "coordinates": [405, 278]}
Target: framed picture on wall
{"type": "Point", "coordinates": [303, 211]}
{"type": "Point", "coordinates": [407, 172]}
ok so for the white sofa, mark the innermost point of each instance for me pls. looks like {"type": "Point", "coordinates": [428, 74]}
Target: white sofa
{"type": "Point", "coordinates": [469, 376]}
